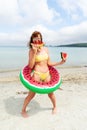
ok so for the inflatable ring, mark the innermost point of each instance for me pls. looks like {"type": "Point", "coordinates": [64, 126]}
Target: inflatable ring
{"type": "Point", "coordinates": [40, 87]}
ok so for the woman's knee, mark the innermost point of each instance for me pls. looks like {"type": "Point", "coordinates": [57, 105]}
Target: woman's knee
{"type": "Point", "coordinates": [50, 95]}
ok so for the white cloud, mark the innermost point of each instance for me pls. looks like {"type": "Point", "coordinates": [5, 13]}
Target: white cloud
{"type": "Point", "coordinates": [73, 34]}
{"type": "Point", "coordinates": [66, 35]}
{"type": "Point", "coordinates": [31, 15]}
{"type": "Point", "coordinates": [9, 12]}
{"type": "Point", "coordinates": [26, 12]}
{"type": "Point", "coordinates": [8, 7]}
{"type": "Point", "coordinates": [83, 6]}
{"type": "Point", "coordinates": [74, 7]}
{"type": "Point", "coordinates": [36, 11]}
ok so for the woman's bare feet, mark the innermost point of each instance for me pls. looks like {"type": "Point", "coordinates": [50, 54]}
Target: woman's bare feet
{"type": "Point", "coordinates": [54, 110]}
{"type": "Point", "coordinates": [24, 114]}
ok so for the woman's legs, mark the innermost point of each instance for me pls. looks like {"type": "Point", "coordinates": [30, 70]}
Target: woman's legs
{"type": "Point", "coordinates": [26, 102]}
{"type": "Point", "coordinates": [53, 100]}
{"type": "Point", "coordinates": [32, 94]}
{"type": "Point", "coordinates": [29, 98]}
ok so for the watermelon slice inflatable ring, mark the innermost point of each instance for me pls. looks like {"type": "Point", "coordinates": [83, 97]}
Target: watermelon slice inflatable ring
{"type": "Point", "coordinates": [40, 87]}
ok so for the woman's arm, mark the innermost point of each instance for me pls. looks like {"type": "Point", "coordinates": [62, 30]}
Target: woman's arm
{"type": "Point", "coordinates": [32, 55]}
{"type": "Point", "coordinates": [56, 63]}
{"type": "Point", "coordinates": [31, 61]}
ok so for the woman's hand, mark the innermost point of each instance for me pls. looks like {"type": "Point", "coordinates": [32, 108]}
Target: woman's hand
{"type": "Point", "coordinates": [63, 60]}
{"type": "Point", "coordinates": [34, 47]}
{"type": "Point", "coordinates": [64, 56]}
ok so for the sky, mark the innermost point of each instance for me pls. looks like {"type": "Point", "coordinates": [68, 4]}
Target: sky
{"type": "Point", "coordinates": [60, 21]}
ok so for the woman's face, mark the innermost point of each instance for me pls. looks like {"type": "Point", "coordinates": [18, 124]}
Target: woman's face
{"type": "Point", "coordinates": [37, 42]}
{"type": "Point", "coordinates": [36, 39]}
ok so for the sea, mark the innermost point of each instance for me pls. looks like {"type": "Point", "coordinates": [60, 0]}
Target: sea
{"type": "Point", "coordinates": [16, 57]}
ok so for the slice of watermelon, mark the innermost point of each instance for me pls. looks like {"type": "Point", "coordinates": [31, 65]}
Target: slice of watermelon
{"type": "Point", "coordinates": [63, 55]}
{"type": "Point", "coordinates": [37, 42]}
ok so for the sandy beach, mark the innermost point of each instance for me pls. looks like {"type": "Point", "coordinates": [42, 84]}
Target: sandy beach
{"type": "Point", "coordinates": [71, 103]}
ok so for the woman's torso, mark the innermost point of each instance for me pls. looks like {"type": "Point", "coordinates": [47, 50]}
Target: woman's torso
{"type": "Point", "coordinates": [41, 60]}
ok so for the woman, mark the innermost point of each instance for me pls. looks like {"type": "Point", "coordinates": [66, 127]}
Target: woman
{"type": "Point", "coordinates": [39, 61]}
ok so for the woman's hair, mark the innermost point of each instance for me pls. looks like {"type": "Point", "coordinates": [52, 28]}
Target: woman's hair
{"type": "Point", "coordinates": [34, 34]}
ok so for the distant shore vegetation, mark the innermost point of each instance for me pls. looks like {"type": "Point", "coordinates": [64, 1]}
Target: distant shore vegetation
{"type": "Point", "coordinates": [71, 45]}
{"type": "Point", "coordinates": [63, 45]}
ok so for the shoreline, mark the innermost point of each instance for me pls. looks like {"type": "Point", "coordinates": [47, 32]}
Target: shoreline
{"type": "Point", "coordinates": [63, 66]}
{"type": "Point", "coordinates": [69, 73]}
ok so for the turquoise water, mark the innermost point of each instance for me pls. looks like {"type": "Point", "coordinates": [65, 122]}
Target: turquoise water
{"type": "Point", "coordinates": [17, 57]}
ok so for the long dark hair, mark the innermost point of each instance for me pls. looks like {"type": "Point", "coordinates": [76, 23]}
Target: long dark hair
{"type": "Point", "coordinates": [34, 34]}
